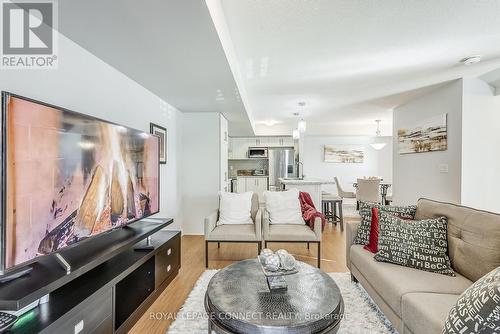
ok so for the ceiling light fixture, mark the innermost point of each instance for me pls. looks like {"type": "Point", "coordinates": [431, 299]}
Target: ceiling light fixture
{"type": "Point", "coordinates": [471, 60]}
{"type": "Point", "coordinates": [270, 123]}
{"type": "Point", "coordinates": [378, 145]}
{"type": "Point", "coordinates": [302, 125]}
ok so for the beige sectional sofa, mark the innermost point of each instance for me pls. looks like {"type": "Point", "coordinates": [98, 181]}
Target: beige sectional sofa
{"type": "Point", "coordinates": [416, 301]}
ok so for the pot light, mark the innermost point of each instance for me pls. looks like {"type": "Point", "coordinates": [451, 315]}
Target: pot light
{"type": "Point", "coordinates": [296, 134]}
{"type": "Point", "coordinates": [471, 60]}
{"type": "Point", "coordinates": [378, 145]}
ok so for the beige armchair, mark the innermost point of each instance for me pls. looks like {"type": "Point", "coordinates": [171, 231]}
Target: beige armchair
{"type": "Point", "coordinates": [251, 233]}
{"type": "Point", "coordinates": [291, 233]}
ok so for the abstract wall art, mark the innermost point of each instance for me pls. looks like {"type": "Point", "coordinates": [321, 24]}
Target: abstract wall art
{"type": "Point", "coordinates": [344, 154]}
{"type": "Point", "coordinates": [427, 136]}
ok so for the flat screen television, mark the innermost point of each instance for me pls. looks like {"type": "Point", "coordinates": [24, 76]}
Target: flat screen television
{"type": "Point", "coordinates": [67, 177]}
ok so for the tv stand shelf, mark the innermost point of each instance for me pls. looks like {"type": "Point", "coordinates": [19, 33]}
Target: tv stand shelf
{"type": "Point", "coordinates": [90, 289]}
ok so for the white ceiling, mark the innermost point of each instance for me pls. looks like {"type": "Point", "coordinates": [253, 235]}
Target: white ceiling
{"type": "Point", "coordinates": [350, 61]}
{"type": "Point", "coordinates": [170, 47]}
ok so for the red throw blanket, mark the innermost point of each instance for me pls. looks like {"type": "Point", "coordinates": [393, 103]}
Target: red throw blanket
{"type": "Point", "coordinates": [309, 212]}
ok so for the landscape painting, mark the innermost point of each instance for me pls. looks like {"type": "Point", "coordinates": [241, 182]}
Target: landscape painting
{"type": "Point", "coordinates": [430, 135]}
{"type": "Point", "coordinates": [344, 154]}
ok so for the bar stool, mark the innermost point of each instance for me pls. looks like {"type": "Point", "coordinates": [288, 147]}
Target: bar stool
{"type": "Point", "coordinates": [332, 209]}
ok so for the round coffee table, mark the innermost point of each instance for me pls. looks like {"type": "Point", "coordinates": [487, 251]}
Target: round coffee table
{"type": "Point", "coordinates": [238, 300]}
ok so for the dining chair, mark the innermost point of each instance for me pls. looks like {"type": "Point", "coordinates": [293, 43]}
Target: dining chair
{"type": "Point", "coordinates": [368, 190]}
{"type": "Point", "coordinates": [343, 194]}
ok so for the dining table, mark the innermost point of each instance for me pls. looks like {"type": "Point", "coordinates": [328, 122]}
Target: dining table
{"type": "Point", "coordinates": [383, 190]}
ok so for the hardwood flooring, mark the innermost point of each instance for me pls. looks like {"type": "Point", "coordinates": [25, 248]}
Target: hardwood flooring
{"type": "Point", "coordinates": [193, 265]}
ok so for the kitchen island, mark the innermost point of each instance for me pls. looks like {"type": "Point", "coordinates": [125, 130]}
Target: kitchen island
{"type": "Point", "coordinates": [310, 185]}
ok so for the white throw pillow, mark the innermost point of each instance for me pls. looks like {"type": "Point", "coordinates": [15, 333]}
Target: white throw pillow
{"type": "Point", "coordinates": [235, 208]}
{"type": "Point", "coordinates": [284, 207]}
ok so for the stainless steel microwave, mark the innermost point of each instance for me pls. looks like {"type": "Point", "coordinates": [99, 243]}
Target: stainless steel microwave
{"type": "Point", "coordinates": [257, 152]}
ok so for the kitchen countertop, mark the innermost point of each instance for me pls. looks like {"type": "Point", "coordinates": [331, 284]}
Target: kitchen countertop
{"type": "Point", "coordinates": [250, 176]}
{"type": "Point", "coordinates": [306, 181]}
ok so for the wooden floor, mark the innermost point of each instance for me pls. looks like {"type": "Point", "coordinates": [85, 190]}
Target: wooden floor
{"type": "Point", "coordinates": [193, 265]}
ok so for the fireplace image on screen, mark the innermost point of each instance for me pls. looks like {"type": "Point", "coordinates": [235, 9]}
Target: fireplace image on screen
{"type": "Point", "coordinates": [70, 177]}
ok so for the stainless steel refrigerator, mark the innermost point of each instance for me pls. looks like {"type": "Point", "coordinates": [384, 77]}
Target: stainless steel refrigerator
{"type": "Point", "coordinates": [281, 165]}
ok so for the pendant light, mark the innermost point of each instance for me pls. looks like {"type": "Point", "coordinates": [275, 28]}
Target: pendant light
{"type": "Point", "coordinates": [296, 134]}
{"type": "Point", "coordinates": [302, 125]}
{"type": "Point", "coordinates": [378, 144]}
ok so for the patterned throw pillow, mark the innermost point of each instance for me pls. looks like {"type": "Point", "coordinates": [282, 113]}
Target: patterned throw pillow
{"type": "Point", "coordinates": [478, 308]}
{"type": "Point", "coordinates": [419, 244]}
{"type": "Point", "coordinates": [365, 211]}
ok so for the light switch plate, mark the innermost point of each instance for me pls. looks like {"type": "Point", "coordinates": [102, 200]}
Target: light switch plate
{"type": "Point", "coordinates": [79, 327]}
{"type": "Point", "coordinates": [443, 168]}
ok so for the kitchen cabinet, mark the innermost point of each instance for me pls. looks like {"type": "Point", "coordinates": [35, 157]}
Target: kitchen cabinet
{"type": "Point", "coordinates": [283, 141]}
{"type": "Point", "coordinates": [239, 147]}
{"type": "Point", "coordinates": [224, 154]}
{"type": "Point", "coordinates": [287, 141]}
{"type": "Point", "coordinates": [258, 142]}
{"type": "Point", "coordinates": [256, 184]}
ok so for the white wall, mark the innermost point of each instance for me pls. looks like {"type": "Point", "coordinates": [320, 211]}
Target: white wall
{"type": "Point", "coordinates": [376, 163]}
{"type": "Point", "coordinates": [86, 84]}
{"type": "Point", "coordinates": [200, 168]}
{"type": "Point", "coordinates": [481, 141]}
{"type": "Point", "coordinates": [418, 175]}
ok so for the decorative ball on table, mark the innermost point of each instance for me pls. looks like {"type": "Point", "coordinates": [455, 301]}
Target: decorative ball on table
{"type": "Point", "coordinates": [287, 262]}
{"type": "Point", "coordinates": [272, 262]}
{"type": "Point", "coordinates": [281, 252]}
{"type": "Point", "coordinates": [264, 254]}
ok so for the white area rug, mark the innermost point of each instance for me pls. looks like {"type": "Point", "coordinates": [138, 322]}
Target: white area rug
{"type": "Point", "coordinates": [361, 315]}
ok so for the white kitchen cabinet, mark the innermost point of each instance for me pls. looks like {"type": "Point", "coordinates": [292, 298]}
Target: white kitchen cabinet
{"type": "Point", "coordinates": [223, 154]}
{"type": "Point", "coordinates": [283, 141]}
{"type": "Point", "coordinates": [258, 141]}
{"type": "Point", "coordinates": [256, 184]}
{"type": "Point", "coordinates": [241, 184]}
{"type": "Point", "coordinates": [287, 141]}
{"type": "Point", "coordinates": [239, 147]}
{"type": "Point", "coordinates": [274, 141]}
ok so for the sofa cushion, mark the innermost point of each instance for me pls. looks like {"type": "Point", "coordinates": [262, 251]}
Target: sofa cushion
{"type": "Point", "coordinates": [286, 232]}
{"type": "Point", "coordinates": [243, 232]}
{"type": "Point", "coordinates": [478, 308]}
{"type": "Point", "coordinates": [425, 313]}
{"type": "Point", "coordinates": [365, 211]}
{"type": "Point", "coordinates": [473, 236]}
{"type": "Point", "coordinates": [420, 244]}
{"type": "Point", "coordinates": [392, 281]}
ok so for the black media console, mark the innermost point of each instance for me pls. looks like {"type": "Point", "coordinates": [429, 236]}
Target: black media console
{"type": "Point", "coordinates": [109, 288]}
